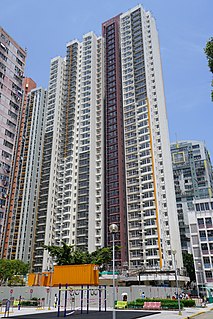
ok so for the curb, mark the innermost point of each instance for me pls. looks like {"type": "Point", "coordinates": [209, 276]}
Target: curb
{"type": "Point", "coordinates": [198, 313]}
{"type": "Point", "coordinates": [195, 314]}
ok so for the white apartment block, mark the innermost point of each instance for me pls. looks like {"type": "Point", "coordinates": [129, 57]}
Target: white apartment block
{"type": "Point", "coordinates": [106, 155]}
{"type": "Point", "coordinates": [151, 210]}
{"type": "Point", "coordinates": [48, 192]}
{"type": "Point", "coordinates": [193, 178]}
{"type": "Point", "coordinates": [25, 209]}
{"type": "Point", "coordinates": [80, 206]}
{"type": "Point", "coordinates": [201, 235]}
{"type": "Point", "coordinates": [72, 173]}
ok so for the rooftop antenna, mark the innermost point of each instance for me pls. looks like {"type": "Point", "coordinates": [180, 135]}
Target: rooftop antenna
{"type": "Point", "coordinates": [177, 145]}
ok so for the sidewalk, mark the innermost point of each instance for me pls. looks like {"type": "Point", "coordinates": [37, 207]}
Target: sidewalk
{"type": "Point", "coordinates": [26, 311]}
{"type": "Point", "coordinates": [186, 313]}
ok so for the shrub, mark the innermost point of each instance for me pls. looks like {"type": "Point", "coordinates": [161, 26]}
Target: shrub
{"type": "Point", "coordinates": [165, 303]}
{"type": "Point", "coordinates": [188, 302]}
{"type": "Point", "coordinates": [29, 303]}
{"type": "Point", "coordinates": [131, 304]}
{"type": "Point", "coordinates": [171, 305]}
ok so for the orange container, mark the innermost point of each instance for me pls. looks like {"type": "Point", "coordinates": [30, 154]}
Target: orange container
{"type": "Point", "coordinates": [46, 279]}
{"type": "Point", "coordinates": [36, 279]}
{"type": "Point", "coordinates": [75, 275]}
{"type": "Point", "coordinates": [31, 279]}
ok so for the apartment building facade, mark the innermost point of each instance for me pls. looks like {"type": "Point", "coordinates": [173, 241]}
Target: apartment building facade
{"type": "Point", "coordinates": [106, 152]}
{"type": "Point", "coordinates": [143, 203]}
{"type": "Point", "coordinates": [12, 63]}
{"type": "Point", "coordinates": [193, 178]}
{"type": "Point", "coordinates": [22, 232]}
{"type": "Point", "coordinates": [73, 192]}
{"type": "Point", "coordinates": [48, 190]}
{"type": "Point", "coordinates": [201, 232]}
{"type": "Point", "coordinates": [9, 249]}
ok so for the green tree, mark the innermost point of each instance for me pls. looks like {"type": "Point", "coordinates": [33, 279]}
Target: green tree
{"type": "Point", "coordinates": [61, 255]}
{"type": "Point", "coordinates": [209, 54]}
{"type": "Point", "coordinates": [188, 263]}
{"type": "Point", "coordinates": [102, 256]}
{"type": "Point", "coordinates": [67, 255]}
{"type": "Point", "coordinates": [11, 270]}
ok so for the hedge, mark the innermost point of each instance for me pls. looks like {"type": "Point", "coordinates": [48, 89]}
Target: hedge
{"type": "Point", "coordinates": [188, 302]}
{"type": "Point", "coordinates": [32, 303]}
{"type": "Point", "coordinates": [165, 303]}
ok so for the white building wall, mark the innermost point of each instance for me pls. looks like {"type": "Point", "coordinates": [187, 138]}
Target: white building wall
{"type": "Point", "coordinates": [165, 184]}
{"type": "Point", "coordinates": [35, 134]}
{"type": "Point", "coordinates": [201, 235]}
{"type": "Point", "coordinates": [85, 90]}
{"type": "Point", "coordinates": [155, 206]}
{"type": "Point", "coordinates": [54, 124]}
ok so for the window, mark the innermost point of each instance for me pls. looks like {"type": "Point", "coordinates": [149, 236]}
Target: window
{"type": "Point", "coordinates": [202, 234]}
{"type": "Point", "coordinates": [208, 275]}
{"type": "Point", "coordinates": [9, 134]}
{"type": "Point", "coordinates": [208, 221]}
{"type": "Point", "coordinates": [178, 157]}
{"type": "Point", "coordinates": [8, 144]}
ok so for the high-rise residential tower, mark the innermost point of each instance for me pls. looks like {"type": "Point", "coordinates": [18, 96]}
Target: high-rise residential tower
{"type": "Point", "coordinates": [139, 191]}
{"type": "Point", "coordinates": [9, 250]}
{"type": "Point", "coordinates": [193, 178]}
{"type": "Point", "coordinates": [52, 147]}
{"type": "Point", "coordinates": [72, 187]}
{"type": "Point", "coordinates": [201, 232]}
{"type": "Point", "coordinates": [12, 63]}
{"type": "Point", "coordinates": [106, 151]}
{"type": "Point", "coordinates": [24, 214]}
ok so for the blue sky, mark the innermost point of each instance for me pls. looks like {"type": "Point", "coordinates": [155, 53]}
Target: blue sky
{"type": "Point", "coordinates": [45, 26]}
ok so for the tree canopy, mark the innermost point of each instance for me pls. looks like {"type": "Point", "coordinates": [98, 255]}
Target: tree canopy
{"type": "Point", "coordinates": [68, 255]}
{"type": "Point", "coordinates": [209, 54]}
{"type": "Point", "coordinates": [11, 270]}
{"type": "Point", "coordinates": [188, 262]}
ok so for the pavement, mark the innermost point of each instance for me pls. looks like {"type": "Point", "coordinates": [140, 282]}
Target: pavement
{"type": "Point", "coordinates": [31, 313]}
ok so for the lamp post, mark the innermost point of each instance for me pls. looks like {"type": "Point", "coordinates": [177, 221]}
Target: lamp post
{"type": "Point", "coordinates": [50, 290]}
{"type": "Point", "coordinates": [177, 284]}
{"type": "Point", "coordinates": [113, 228]}
{"type": "Point", "coordinates": [50, 284]}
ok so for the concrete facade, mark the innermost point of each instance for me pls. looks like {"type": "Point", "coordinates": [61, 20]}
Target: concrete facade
{"type": "Point", "coordinates": [12, 63]}
{"type": "Point", "coordinates": [193, 178]}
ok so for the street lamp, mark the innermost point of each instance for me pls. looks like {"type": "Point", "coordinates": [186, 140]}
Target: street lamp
{"type": "Point", "coordinates": [113, 228]}
{"type": "Point", "coordinates": [177, 285]}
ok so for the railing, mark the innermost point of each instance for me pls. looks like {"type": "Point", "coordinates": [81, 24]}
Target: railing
{"type": "Point", "coordinates": [209, 279]}
{"type": "Point", "coordinates": [205, 252]}
{"type": "Point", "coordinates": [201, 226]}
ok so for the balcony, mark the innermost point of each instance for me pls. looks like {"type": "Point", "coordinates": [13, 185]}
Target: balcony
{"type": "Point", "coordinates": [209, 225]}
{"type": "Point", "coordinates": [205, 252]}
{"type": "Point", "coordinates": [201, 226]}
{"type": "Point", "coordinates": [209, 279]}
